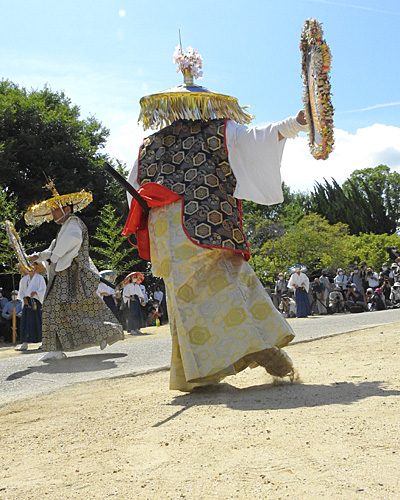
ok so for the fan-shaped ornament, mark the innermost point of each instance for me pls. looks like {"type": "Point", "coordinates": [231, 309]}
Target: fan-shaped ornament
{"type": "Point", "coordinates": [316, 63]}
{"type": "Point", "coordinates": [16, 244]}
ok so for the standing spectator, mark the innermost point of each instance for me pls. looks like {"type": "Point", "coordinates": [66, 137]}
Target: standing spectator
{"type": "Point", "coordinates": [340, 280]}
{"type": "Point", "coordinates": [317, 304]}
{"type": "Point", "coordinates": [3, 322]}
{"type": "Point", "coordinates": [133, 297]}
{"type": "Point", "coordinates": [394, 273]}
{"type": "Point", "coordinates": [281, 287]}
{"type": "Point", "coordinates": [32, 289]}
{"type": "Point", "coordinates": [372, 278]}
{"type": "Point", "coordinates": [107, 293]}
{"type": "Point", "coordinates": [325, 289]}
{"type": "Point", "coordinates": [158, 295]}
{"type": "Point", "coordinates": [7, 314]}
{"type": "Point", "coordinates": [300, 283]}
{"type": "Point", "coordinates": [3, 300]}
{"type": "Point", "coordinates": [144, 304]}
{"type": "Point", "coordinates": [385, 273]}
{"type": "Point", "coordinates": [363, 275]}
{"type": "Point", "coordinates": [386, 289]}
{"type": "Point", "coordinates": [356, 279]}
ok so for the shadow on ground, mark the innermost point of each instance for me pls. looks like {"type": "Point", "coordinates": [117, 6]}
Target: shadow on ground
{"type": "Point", "coordinates": [279, 397]}
{"type": "Point", "coordinates": [76, 364]}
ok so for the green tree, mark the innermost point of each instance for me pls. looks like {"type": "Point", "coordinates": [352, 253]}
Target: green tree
{"type": "Point", "coordinates": [313, 242]}
{"type": "Point", "coordinates": [8, 211]}
{"type": "Point", "coordinates": [42, 133]}
{"type": "Point", "coordinates": [368, 201]}
{"type": "Point", "coordinates": [111, 250]}
{"type": "Point", "coordinates": [370, 248]}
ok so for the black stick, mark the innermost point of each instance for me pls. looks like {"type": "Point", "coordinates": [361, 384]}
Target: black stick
{"type": "Point", "coordinates": [128, 187]}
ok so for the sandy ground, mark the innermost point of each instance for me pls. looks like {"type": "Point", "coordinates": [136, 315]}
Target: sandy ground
{"type": "Point", "coordinates": [336, 434]}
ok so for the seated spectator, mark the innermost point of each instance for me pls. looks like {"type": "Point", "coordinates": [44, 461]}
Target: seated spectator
{"type": "Point", "coordinates": [336, 300]}
{"type": "Point", "coordinates": [355, 299]}
{"type": "Point", "coordinates": [378, 301]}
{"type": "Point", "coordinates": [395, 294]}
{"type": "Point", "coordinates": [340, 280]}
{"type": "Point", "coordinates": [287, 306]}
{"type": "Point", "coordinates": [369, 294]}
{"type": "Point", "coordinates": [7, 314]}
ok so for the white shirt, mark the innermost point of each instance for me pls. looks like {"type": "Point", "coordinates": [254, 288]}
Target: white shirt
{"type": "Point", "coordinates": [255, 155]}
{"type": "Point", "coordinates": [145, 296]}
{"type": "Point", "coordinates": [103, 288]}
{"type": "Point", "coordinates": [65, 247]}
{"type": "Point", "coordinates": [132, 289]}
{"type": "Point", "coordinates": [27, 285]}
{"type": "Point", "coordinates": [299, 280]}
{"type": "Point", "coordinates": [158, 295]}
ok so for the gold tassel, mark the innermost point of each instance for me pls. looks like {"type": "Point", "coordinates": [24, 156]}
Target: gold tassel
{"type": "Point", "coordinates": [160, 110]}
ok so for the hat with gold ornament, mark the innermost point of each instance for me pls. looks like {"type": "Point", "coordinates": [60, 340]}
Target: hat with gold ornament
{"type": "Point", "coordinates": [42, 212]}
{"type": "Point", "coordinates": [189, 101]}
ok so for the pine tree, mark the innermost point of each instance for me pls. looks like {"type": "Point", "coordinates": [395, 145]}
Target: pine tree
{"type": "Point", "coordinates": [113, 251]}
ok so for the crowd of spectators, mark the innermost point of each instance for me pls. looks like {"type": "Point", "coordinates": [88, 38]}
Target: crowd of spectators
{"type": "Point", "coordinates": [361, 289]}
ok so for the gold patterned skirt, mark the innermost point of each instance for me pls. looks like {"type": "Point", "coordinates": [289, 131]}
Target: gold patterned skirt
{"type": "Point", "coordinates": [221, 318]}
{"type": "Point", "coordinates": [74, 317]}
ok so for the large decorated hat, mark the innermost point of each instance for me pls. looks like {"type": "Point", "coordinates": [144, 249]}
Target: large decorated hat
{"type": "Point", "coordinates": [41, 212]}
{"type": "Point", "coordinates": [189, 101]}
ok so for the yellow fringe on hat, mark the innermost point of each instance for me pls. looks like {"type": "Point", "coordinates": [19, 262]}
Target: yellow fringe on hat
{"type": "Point", "coordinates": [41, 212]}
{"type": "Point", "coordinates": [160, 110]}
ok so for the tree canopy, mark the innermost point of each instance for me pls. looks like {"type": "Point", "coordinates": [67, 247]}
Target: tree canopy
{"type": "Point", "coordinates": [42, 134]}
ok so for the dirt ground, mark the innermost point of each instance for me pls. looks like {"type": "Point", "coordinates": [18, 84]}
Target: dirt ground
{"type": "Point", "coordinates": [334, 434]}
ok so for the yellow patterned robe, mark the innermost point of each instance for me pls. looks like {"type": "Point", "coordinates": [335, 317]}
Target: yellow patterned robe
{"type": "Point", "coordinates": [221, 317]}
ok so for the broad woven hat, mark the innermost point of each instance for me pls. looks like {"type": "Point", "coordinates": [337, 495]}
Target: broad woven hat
{"type": "Point", "coordinates": [189, 101]}
{"type": "Point", "coordinates": [136, 274]}
{"type": "Point", "coordinates": [41, 212]}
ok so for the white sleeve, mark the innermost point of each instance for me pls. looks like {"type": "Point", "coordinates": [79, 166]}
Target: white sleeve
{"type": "Point", "coordinates": [46, 254]}
{"type": "Point", "coordinates": [255, 155]}
{"type": "Point", "coordinates": [22, 288]}
{"type": "Point", "coordinates": [68, 241]}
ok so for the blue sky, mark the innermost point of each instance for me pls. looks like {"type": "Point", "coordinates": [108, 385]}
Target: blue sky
{"type": "Point", "coordinates": [106, 54]}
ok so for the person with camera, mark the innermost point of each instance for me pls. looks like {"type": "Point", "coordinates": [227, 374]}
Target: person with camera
{"type": "Point", "coordinates": [355, 299]}
{"type": "Point", "coordinates": [356, 278]}
{"type": "Point", "coordinates": [372, 278]}
{"type": "Point", "coordinates": [287, 306]}
{"type": "Point", "coordinates": [336, 300]}
{"type": "Point", "coordinates": [395, 295]}
{"type": "Point", "coordinates": [300, 283]}
{"type": "Point", "coordinates": [318, 305]}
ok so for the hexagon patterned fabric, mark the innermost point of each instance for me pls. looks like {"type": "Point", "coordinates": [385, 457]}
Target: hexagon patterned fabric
{"type": "Point", "coordinates": [219, 312]}
{"type": "Point", "coordinates": [190, 159]}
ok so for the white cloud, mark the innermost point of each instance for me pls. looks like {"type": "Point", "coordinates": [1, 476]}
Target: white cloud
{"type": "Point", "coordinates": [367, 147]}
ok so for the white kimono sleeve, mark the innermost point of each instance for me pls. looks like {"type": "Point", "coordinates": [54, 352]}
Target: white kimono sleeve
{"type": "Point", "coordinates": [255, 155]}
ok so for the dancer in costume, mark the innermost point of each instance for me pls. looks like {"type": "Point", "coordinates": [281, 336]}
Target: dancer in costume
{"type": "Point", "coordinates": [74, 317]}
{"type": "Point", "coordinates": [32, 288]}
{"type": "Point", "coordinates": [193, 173]}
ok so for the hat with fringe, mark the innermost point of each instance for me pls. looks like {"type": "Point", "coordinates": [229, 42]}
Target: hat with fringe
{"type": "Point", "coordinates": [189, 101]}
{"type": "Point", "coordinates": [41, 212]}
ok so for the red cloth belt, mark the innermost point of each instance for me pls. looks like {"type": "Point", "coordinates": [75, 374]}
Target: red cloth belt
{"type": "Point", "coordinates": [154, 195]}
